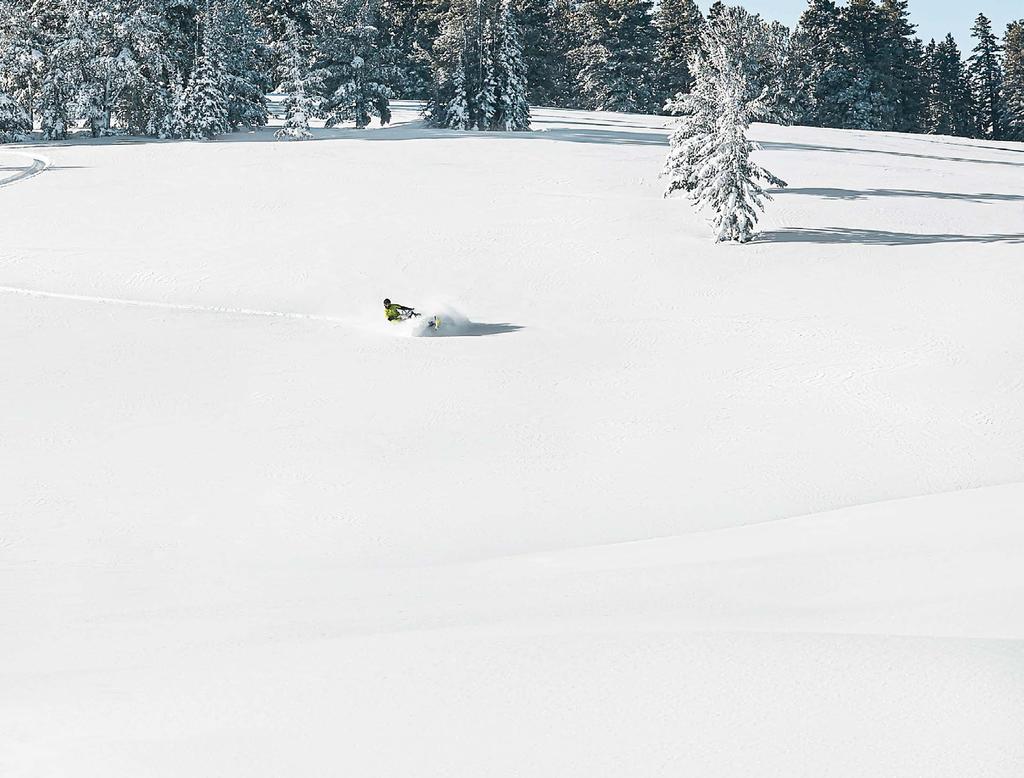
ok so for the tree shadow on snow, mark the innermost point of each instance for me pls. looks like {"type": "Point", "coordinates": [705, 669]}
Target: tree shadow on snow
{"type": "Point", "coordinates": [855, 194]}
{"type": "Point", "coordinates": [615, 137]}
{"type": "Point", "coordinates": [786, 146]}
{"type": "Point", "coordinates": [840, 235]}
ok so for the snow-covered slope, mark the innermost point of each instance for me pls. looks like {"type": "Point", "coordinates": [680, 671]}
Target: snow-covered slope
{"type": "Point", "coordinates": [248, 528]}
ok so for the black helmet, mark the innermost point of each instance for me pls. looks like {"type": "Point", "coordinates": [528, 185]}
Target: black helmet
{"type": "Point", "coordinates": [387, 301]}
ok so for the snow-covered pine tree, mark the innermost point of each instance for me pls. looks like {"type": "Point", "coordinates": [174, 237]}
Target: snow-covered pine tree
{"type": "Point", "coordinates": [244, 55]}
{"type": "Point", "coordinates": [486, 100]}
{"type": "Point", "coordinates": [511, 78]}
{"type": "Point", "coordinates": [206, 114]}
{"type": "Point", "coordinates": [862, 81]}
{"type": "Point", "coordinates": [20, 56]}
{"type": "Point", "coordinates": [275, 15]}
{"type": "Point", "coordinates": [679, 24]}
{"type": "Point", "coordinates": [459, 68]}
{"type": "Point", "coordinates": [985, 75]}
{"type": "Point", "coordinates": [352, 63]}
{"type": "Point", "coordinates": [1013, 67]}
{"type": "Point", "coordinates": [457, 115]}
{"type": "Point", "coordinates": [542, 56]}
{"type": "Point", "coordinates": [617, 58]}
{"type": "Point", "coordinates": [565, 39]}
{"type": "Point", "coordinates": [406, 33]}
{"type": "Point", "coordinates": [300, 83]}
{"type": "Point", "coordinates": [709, 157]}
{"type": "Point", "coordinates": [92, 29]}
{"type": "Point", "coordinates": [60, 78]}
{"type": "Point", "coordinates": [14, 123]}
{"type": "Point", "coordinates": [858, 66]}
{"type": "Point", "coordinates": [177, 121]}
{"type": "Point", "coordinates": [137, 68]}
{"type": "Point", "coordinates": [949, 95]}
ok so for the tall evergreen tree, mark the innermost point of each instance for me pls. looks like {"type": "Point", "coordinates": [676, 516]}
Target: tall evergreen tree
{"type": "Point", "coordinates": [906, 63]}
{"type": "Point", "coordinates": [1013, 66]}
{"type": "Point", "coordinates": [458, 68]}
{"type": "Point", "coordinates": [244, 56]}
{"type": "Point", "coordinates": [709, 157]}
{"type": "Point", "coordinates": [141, 69]}
{"type": "Point", "coordinates": [21, 56]}
{"type": "Point", "coordinates": [949, 96]}
{"type": "Point", "coordinates": [565, 39]}
{"type": "Point", "coordinates": [867, 89]}
{"type": "Point", "coordinates": [543, 57]}
{"type": "Point", "coordinates": [985, 75]}
{"type": "Point", "coordinates": [60, 72]}
{"type": "Point", "coordinates": [510, 74]}
{"type": "Point", "coordinates": [480, 74]}
{"type": "Point", "coordinates": [486, 99]}
{"type": "Point", "coordinates": [407, 31]}
{"type": "Point", "coordinates": [300, 83]}
{"type": "Point", "coordinates": [617, 58]}
{"type": "Point", "coordinates": [14, 123]}
{"type": "Point", "coordinates": [679, 24]}
{"type": "Point", "coordinates": [816, 45]}
{"type": "Point", "coordinates": [353, 64]}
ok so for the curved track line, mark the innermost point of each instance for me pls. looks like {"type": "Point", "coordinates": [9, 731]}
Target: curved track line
{"type": "Point", "coordinates": [82, 298]}
{"type": "Point", "coordinates": [38, 165]}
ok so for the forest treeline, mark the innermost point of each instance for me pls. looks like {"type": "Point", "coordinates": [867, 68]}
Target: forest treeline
{"type": "Point", "coordinates": [199, 68]}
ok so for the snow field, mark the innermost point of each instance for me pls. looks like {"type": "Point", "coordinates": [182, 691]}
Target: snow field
{"type": "Point", "coordinates": [676, 508]}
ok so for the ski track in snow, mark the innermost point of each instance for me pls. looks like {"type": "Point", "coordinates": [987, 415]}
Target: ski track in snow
{"type": "Point", "coordinates": [38, 165]}
{"type": "Point", "coordinates": [186, 307]}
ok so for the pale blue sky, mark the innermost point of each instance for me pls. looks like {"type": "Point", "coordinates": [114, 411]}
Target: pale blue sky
{"type": "Point", "coordinates": [934, 18]}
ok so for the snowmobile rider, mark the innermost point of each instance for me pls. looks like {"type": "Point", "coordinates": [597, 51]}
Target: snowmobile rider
{"type": "Point", "coordinates": [396, 312]}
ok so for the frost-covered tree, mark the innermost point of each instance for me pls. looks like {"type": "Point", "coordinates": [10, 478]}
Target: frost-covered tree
{"type": "Point", "coordinates": [709, 158]}
{"type": "Point", "coordinates": [456, 111]}
{"type": "Point", "coordinates": [985, 75]}
{"type": "Point", "coordinates": [1013, 65]}
{"type": "Point", "coordinates": [21, 55]}
{"type": "Point", "coordinates": [509, 73]}
{"type": "Point", "coordinates": [206, 104]}
{"type": "Point", "coordinates": [480, 73]}
{"type": "Point", "coordinates": [458, 66]}
{"type": "Point", "coordinates": [60, 78]}
{"type": "Point", "coordinates": [206, 113]}
{"type": "Point", "coordinates": [679, 24]}
{"type": "Point", "coordinates": [243, 54]}
{"type": "Point", "coordinates": [300, 83]}
{"type": "Point", "coordinates": [138, 69]}
{"type": "Point", "coordinates": [14, 123]}
{"type": "Point", "coordinates": [617, 58]}
{"type": "Point", "coordinates": [352, 62]}
{"type": "Point", "coordinates": [486, 99]}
